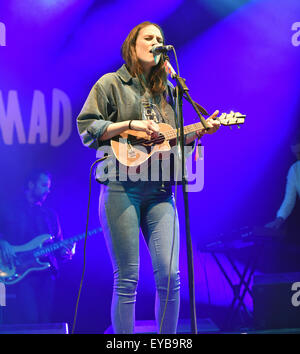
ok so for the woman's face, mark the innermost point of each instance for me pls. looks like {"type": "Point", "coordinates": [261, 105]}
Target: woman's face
{"type": "Point", "coordinates": [147, 38]}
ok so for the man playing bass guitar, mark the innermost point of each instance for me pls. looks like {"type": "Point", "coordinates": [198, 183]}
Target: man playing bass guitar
{"type": "Point", "coordinates": [19, 224]}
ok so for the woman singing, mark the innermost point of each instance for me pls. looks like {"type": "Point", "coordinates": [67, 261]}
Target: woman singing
{"type": "Point", "coordinates": [138, 96]}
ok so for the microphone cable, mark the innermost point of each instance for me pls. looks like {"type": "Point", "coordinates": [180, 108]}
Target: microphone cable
{"type": "Point", "coordinates": [175, 212]}
{"type": "Point", "coordinates": [175, 199]}
{"type": "Point", "coordinates": [192, 259]}
{"type": "Point", "coordinates": [85, 242]}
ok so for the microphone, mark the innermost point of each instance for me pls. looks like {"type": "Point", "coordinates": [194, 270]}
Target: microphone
{"type": "Point", "coordinates": [158, 49]}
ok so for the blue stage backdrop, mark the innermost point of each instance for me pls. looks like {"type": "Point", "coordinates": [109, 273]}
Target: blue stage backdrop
{"type": "Point", "coordinates": [235, 55]}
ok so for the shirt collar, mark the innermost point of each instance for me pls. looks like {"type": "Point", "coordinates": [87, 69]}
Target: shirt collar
{"type": "Point", "coordinates": [124, 74]}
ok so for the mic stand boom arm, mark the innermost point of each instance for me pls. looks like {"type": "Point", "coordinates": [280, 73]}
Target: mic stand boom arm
{"type": "Point", "coordinates": [184, 92]}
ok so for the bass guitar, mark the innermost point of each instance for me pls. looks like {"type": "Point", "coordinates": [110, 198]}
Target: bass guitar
{"type": "Point", "coordinates": [29, 257]}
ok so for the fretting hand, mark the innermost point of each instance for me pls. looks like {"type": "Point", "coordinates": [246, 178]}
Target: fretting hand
{"type": "Point", "coordinates": [67, 253]}
{"type": "Point", "coordinates": [275, 224]}
{"type": "Point", "coordinates": [212, 123]}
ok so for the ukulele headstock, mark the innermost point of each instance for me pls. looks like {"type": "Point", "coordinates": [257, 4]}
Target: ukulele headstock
{"type": "Point", "coordinates": [232, 118]}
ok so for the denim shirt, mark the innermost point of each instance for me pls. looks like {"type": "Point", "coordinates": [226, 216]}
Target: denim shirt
{"type": "Point", "coordinates": [116, 97]}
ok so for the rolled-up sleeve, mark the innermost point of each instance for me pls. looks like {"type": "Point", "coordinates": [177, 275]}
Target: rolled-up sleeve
{"type": "Point", "coordinates": [97, 113]}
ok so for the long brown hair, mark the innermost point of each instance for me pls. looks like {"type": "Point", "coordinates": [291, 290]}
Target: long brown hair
{"type": "Point", "coordinates": [158, 76]}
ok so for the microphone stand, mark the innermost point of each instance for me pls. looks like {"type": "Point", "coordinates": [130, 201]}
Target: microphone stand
{"type": "Point", "coordinates": [181, 90]}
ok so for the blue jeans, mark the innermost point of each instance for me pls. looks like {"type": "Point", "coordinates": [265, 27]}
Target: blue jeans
{"type": "Point", "coordinates": [124, 208]}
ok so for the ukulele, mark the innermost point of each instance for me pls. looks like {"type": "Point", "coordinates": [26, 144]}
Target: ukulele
{"type": "Point", "coordinates": [132, 148]}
